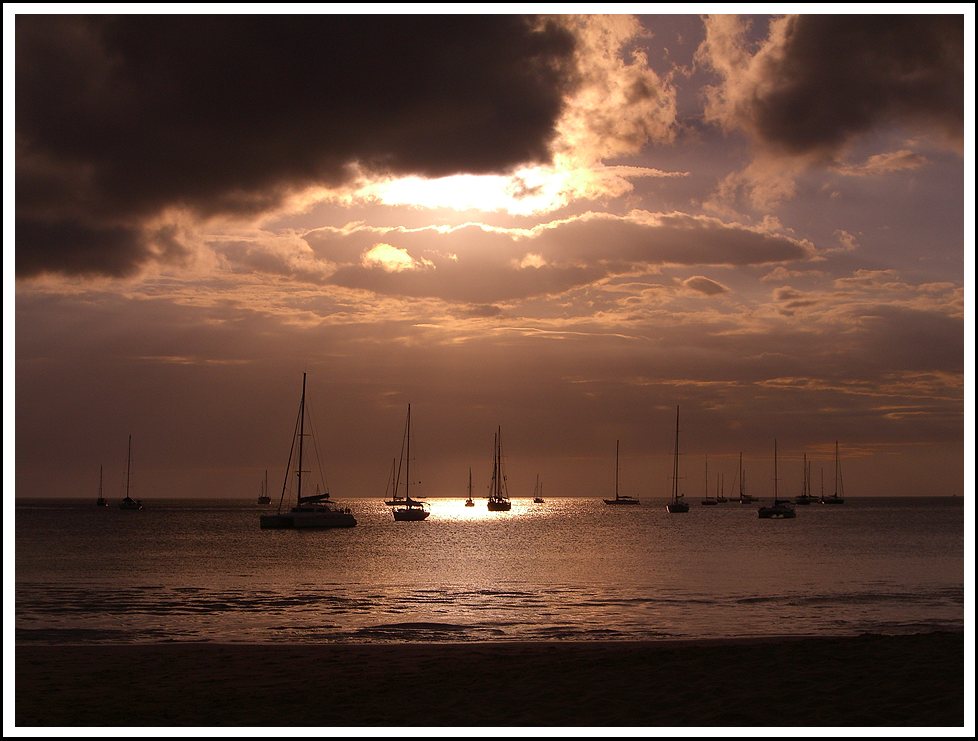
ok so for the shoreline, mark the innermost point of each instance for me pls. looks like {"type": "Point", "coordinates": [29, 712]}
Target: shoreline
{"type": "Point", "coordinates": [868, 680]}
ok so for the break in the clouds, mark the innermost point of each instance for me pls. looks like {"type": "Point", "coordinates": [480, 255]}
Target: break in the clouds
{"type": "Point", "coordinates": [818, 81]}
{"type": "Point", "coordinates": [481, 264]}
{"type": "Point", "coordinates": [122, 117]}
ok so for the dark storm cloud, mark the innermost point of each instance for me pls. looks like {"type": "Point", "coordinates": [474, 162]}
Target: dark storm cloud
{"type": "Point", "coordinates": [120, 117]}
{"type": "Point", "coordinates": [841, 75]}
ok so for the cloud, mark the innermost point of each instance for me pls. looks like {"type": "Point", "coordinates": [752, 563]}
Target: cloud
{"type": "Point", "coordinates": [817, 81]}
{"type": "Point", "coordinates": [392, 259]}
{"type": "Point", "coordinates": [882, 164]}
{"type": "Point", "coordinates": [816, 85]}
{"type": "Point", "coordinates": [476, 263]}
{"type": "Point", "coordinates": [121, 117]}
{"type": "Point", "coordinates": [704, 285]}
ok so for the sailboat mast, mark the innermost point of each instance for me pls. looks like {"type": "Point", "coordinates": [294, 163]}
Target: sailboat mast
{"type": "Point", "coordinates": [100, 482]}
{"type": "Point", "coordinates": [616, 469]}
{"type": "Point", "coordinates": [706, 476]}
{"type": "Point", "coordinates": [407, 470]}
{"type": "Point", "coordinates": [128, 465]}
{"type": "Point", "coordinates": [470, 483]}
{"type": "Point", "coordinates": [775, 471]}
{"type": "Point", "coordinates": [302, 429]}
{"type": "Point", "coordinates": [499, 462]}
{"type": "Point", "coordinates": [836, 493]}
{"type": "Point", "coordinates": [675, 462]}
{"type": "Point", "coordinates": [740, 474]}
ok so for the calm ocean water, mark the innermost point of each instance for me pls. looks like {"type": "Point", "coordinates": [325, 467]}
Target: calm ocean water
{"type": "Point", "coordinates": [577, 569]}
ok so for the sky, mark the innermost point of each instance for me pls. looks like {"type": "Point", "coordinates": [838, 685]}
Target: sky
{"type": "Point", "coordinates": [563, 226]}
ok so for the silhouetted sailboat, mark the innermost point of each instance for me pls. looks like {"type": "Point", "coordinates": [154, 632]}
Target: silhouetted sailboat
{"type": "Point", "coordinates": [721, 499]}
{"type": "Point", "coordinates": [263, 496]}
{"type": "Point", "coordinates": [128, 502]}
{"type": "Point", "coordinates": [677, 505]}
{"type": "Point", "coordinates": [101, 501]}
{"type": "Point", "coordinates": [391, 489]}
{"type": "Point", "coordinates": [781, 509]}
{"type": "Point", "coordinates": [744, 497]}
{"type": "Point", "coordinates": [806, 483]}
{"type": "Point", "coordinates": [498, 492]}
{"type": "Point", "coordinates": [316, 511]}
{"type": "Point", "coordinates": [469, 502]}
{"type": "Point", "coordinates": [538, 492]}
{"type": "Point", "coordinates": [412, 510]}
{"type": "Point", "coordinates": [837, 495]}
{"type": "Point", "coordinates": [707, 499]}
{"type": "Point", "coordinates": [619, 498]}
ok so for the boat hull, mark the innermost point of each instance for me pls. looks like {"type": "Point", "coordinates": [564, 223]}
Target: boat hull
{"type": "Point", "coordinates": [676, 508]}
{"type": "Point", "coordinates": [307, 520]}
{"type": "Point", "coordinates": [621, 501]}
{"type": "Point", "coordinates": [776, 513]}
{"type": "Point", "coordinates": [410, 515]}
{"type": "Point", "coordinates": [500, 506]}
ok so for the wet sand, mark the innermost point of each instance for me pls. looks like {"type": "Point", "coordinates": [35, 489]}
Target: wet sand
{"type": "Point", "coordinates": [915, 680]}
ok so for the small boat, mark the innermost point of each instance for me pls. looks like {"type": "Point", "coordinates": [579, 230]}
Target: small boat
{"type": "Point", "coordinates": [498, 493]}
{"type": "Point", "coordinates": [720, 498]}
{"type": "Point", "coordinates": [677, 505]}
{"type": "Point", "coordinates": [745, 498]}
{"type": "Point", "coordinates": [806, 483]}
{"type": "Point", "coordinates": [411, 510]}
{"type": "Point", "coordinates": [781, 509]}
{"type": "Point", "coordinates": [837, 497]}
{"type": "Point", "coordinates": [101, 501]}
{"type": "Point", "coordinates": [317, 511]}
{"type": "Point", "coordinates": [619, 498]}
{"type": "Point", "coordinates": [469, 502]}
{"type": "Point", "coordinates": [707, 499]}
{"type": "Point", "coordinates": [128, 502]}
{"type": "Point", "coordinates": [263, 497]}
{"type": "Point", "coordinates": [538, 492]}
{"type": "Point", "coordinates": [391, 487]}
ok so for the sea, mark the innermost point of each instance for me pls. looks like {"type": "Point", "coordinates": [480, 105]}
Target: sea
{"type": "Point", "coordinates": [570, 569]}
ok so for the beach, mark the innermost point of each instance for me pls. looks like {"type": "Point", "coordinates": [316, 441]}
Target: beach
{"type": "Point", "coordinates": [869, 680]}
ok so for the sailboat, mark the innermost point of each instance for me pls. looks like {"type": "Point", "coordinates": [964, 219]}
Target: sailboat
{"type": "Point", "coordinates": [836, 497]}
{"type": "Point", "coordinates": [721, 499]}
{"type": "Point", "coordinates": [677, 505]}
{"type": "Point", "coordinates": [315, 511]}
{"type": "Point", "coordinates": [781, 509]}
{"type": "Point", "coordinates": [469, 502]}
{"type": "Point", "coordinates": [707, 499]}
{"type": "Point", "coordinates": [806, 483]}
{"type": "Point", "coordinates": [498, 493]}
{"type": "Point", "coordinates": [412, 510]}
{"type": "Point", "coordinates": [619, 498]}
{"type": "Point", "coordinates": [392, 487]}
{"type": "Point", "coordinates": [745, 498]}
{"type": "Point", "coordinates": [263, 497]}
{"type": "Point", "coordinates": [538, 492]}
{"type": "Point", "coordinates": [101, 501]}
{"type": "Point", "coordinates": [130, 503]}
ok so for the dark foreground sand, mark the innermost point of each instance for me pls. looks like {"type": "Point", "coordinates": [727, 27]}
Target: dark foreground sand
{"type": "Point", "coordinates": [866, 681]}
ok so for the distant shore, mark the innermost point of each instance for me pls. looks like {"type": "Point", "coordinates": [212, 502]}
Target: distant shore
{"type": "Point", "coordinates": [914, 680]}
